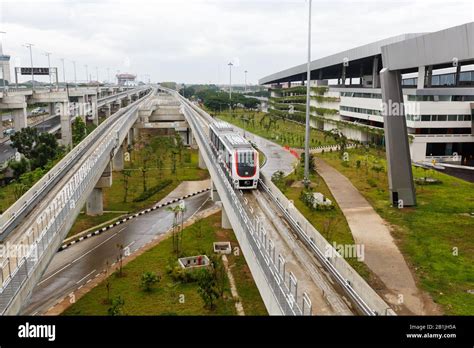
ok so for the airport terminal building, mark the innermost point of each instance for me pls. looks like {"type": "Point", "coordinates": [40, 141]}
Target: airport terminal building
{"type": "Point", "coordinates": [346, 94]}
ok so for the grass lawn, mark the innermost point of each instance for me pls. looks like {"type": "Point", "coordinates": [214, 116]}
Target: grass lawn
{"type": "Point", "coordinates": [164, 299]}
{"type": "Point", "coordinates": [283, 132]}
{"type": "Point", "coordinates": [114, 196]}
{"type": "Point", "coordinates": [436, 236]}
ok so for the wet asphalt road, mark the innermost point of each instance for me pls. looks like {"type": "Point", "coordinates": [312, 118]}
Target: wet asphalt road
{"type": "Point", "coordinates": [74, 266]}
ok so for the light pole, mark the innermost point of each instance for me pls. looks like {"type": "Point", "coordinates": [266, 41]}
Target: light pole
{"type": "Point", "coordinates": [230, 84]}
{"type": "Point", "coordinates": [3, 69]}
{"type": "Point", "coordinates": [308, 90]}
{"type": "Point", "coordinates": [108, 75]}
{"type": "Point", "coordinates": [87, 73]}
{"type": "Point", "coordinates": [245, 80]}
{"type": "Point", "coordinates": [48, 54]}
{"type": "Point", "coordinates": [28, 45]}
{"type": "Point", "coordinates": [75, 75]}
{"type": "Point", "coordinates": [64, 71]}
{"type": "Point", "coordinates": [97, 74]}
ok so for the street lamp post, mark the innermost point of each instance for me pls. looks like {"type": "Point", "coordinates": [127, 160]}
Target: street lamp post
{"type": "Point", "coordinates": [245, 80]}
{"type": "Point", "coordinates": [28, 45]}
{"type": "Point", "coordinates": [75, 75]}
{"type": "Point", "coordinates": [87, 73]}
{"type": "Point", "coordinates": [230, 84]}
{"type": "Point", "coordinates": [3, 69]}
{"type": "Point", "coordinates": [64, 71]}
{"type": "Point", "coordinates": [48, 54]}
{"type": "Point", "coordinates": [97, 74]}
{"type": "Point", "coordinates": [308, 90]}
{"type": "Point", "coordinates": [108, 75]}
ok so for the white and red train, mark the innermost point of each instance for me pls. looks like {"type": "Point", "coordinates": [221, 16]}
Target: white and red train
{"type": "Point", "coordinates": [238, 156]}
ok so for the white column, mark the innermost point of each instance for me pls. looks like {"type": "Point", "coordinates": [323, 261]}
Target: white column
{"type": "Point", "coordinates": [202, 164]}
{"type": "Point", "coordinates": [95, 114]}
{"type": "Point", "coordinates": [225, 223]}
{"type": "Point", "coordinates": [66, 130]}
{"type": "Point", "coordinates": [20, 118]}
{"type": "Point", "coordinates": [95, 203]}
{"type": "Point", "coordinates": [421, 77]}
{"type": "Point", "coordinates": [118, 160]}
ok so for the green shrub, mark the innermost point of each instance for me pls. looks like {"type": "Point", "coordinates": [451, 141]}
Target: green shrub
{"type": "Point", "coordinates": [371, 182]}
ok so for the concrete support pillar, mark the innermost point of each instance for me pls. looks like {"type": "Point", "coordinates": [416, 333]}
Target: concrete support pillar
{"type": "Point", "coordinates": [95, 203]}
{"type": "Point", "coordinates": [95, 113]}
{"type": "Point", "coordinates": [1, 127]}
{"type": "Point", "coordinates": [82, 107]}
{"type": "Point", "coordinates": [421, 78]}
{"type": "Point", "coordinates": [66, 129]}
{"type": "Point", "coordinates": [400, 176]}
{"type": "Point", "coordinates": [136, 134]}
{"type": "Point", "coordinates": [52, 108]}
{"type": "Point", "coordinates": [375, 73]}
{"type": "Point", "coordinates": [214, 194]}
{"type": "Point", "coordinates": [19, 118]}
{"type": "Point", "coordinates": [202, 164]}
{"type": "Point", "coordinates": [108, 110]}
{"type": "Point", "coordinates": [118, 160]}
{"type": "Point", "coordinates": [130, 137]}
{"type": "Point", "coordinates": [225, 223]}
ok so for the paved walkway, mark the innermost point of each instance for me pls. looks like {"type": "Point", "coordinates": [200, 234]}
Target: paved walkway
{"type": "Point", "coordinates": [382, 255]}
{"type": "Point", "coordinates": [277, 157]}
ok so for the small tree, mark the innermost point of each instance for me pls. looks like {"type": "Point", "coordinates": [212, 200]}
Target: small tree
{"type": "Point", "coordinates": [79, 130]}
{"type": "Point", "coordinates": [220, 274]}
{"type": "Point", "coordinates": [120, 259]}
{"type": "Point", "coordinates": [148, 281]}
{"type": "Point", "coordinates": [207, 289]}
{"type": "Point", "coordinates": [178, 223]}
{"type": "Point", "coordinates": [126, 174]}
{"type": "Point", "coordinates": [117, 306]}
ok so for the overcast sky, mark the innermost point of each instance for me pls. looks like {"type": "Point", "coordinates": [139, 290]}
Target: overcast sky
{"type": "Point", "coordinates": [192, 41]}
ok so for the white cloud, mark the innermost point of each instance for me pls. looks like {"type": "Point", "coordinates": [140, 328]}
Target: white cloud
{"type": "Point", "coordinates": [193, 40]}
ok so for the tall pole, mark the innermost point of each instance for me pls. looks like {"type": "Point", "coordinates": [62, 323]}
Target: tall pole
{"type": "Point", "coordinates": [97, 74]}
{"type": "Point", "coordinates": [108, 75]}
{"type": "Point", "coordinates": [245, 80]}
{"type": "Point", "coordinates": [75, 75]}
{"type": "Point", "coordinates": [308, 90]}
{"type": "Point", "coordinates": [230, 81]}
{"type": "Point", "coordinates": [48, 54]}
{"type": "Point", "coordinates": [64, 71]}
{"type": "Point", "coordinates": [3, 69]}
{"type": "Point", "coordinates": [28, 45]}
{"type": "Point", "coordinates": [87, 73]}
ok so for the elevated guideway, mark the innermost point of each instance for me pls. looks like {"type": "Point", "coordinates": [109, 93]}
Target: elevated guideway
{"type": "Point", "coordinates": [38, 222]}
{"type": "Point", "coordinates": [287, 257]}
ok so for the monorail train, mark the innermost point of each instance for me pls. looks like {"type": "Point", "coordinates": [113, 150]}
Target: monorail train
{"type": "Point", "coordinates": [239, 158]}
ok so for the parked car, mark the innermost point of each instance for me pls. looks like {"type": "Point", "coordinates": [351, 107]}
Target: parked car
{"type": "Point", "coordinates": [9, 131]}
{"type": "Point", "coordinates": [38, 111]}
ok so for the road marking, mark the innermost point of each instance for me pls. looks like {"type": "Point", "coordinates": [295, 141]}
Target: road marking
{"type": "Point", "coordinates": [52, 275]}
{"type": "Point", "coordinates": [128, 246]}
{"type": "Point", "coordinates": [85, 277]}
{"type": "Point", "coordinates": [105, 241]}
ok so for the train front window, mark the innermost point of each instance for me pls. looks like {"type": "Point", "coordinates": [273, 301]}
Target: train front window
{"type": "Point", "coordinates": [246, 163]}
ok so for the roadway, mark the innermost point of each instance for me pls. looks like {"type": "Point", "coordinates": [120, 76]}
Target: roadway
{"type": "Point", "coordinates": [74, 266]}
